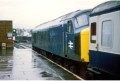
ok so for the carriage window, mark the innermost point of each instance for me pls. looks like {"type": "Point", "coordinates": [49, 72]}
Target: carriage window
{"type": "Point", "coordinates": [81, 20]}
{"type": "Point", "coordinates": [93, 32]}
{"type": "Point", "coordinates": [107, 33]}
{"type": "Point", "coordinates": [69, 27]}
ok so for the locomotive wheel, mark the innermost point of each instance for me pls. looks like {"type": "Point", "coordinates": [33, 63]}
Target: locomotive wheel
{"type": "Point", "coordinates": [59, 60]}
{"type": "Point", "coordinates": [73, 69]}
{"type": "Point", "coordinates": [89, 75]}
{"type": "Point", "coordinates": [52, 57]}
{"type": "Point", "coordinates": [66, 64]}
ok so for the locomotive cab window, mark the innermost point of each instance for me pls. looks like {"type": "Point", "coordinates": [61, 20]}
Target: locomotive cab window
{"type": "Point", "coordinates": [106, 40]}
{"type": "Point", "coordinates": [93, 32]}
{"type": "Point", "coordinates": [81, 21]}
{"type": "Point", "coordinates": [69, 26]}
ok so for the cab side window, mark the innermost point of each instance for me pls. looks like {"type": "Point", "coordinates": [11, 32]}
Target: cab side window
{"type": "Point", "coordinates": [81, 21]}
{"type": "Point", "coordinates": [69, 27]}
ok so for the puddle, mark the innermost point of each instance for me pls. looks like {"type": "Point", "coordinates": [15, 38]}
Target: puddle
{"type": "Point", "coordinates": [46, 74]}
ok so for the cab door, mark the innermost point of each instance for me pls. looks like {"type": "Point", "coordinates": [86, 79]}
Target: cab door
{"type": "Point", "coordinates": [106, 31]}
{"type": "Point", "coordinates": [68, 36]}
{"type": "Point", "coordinates": [101, 38]}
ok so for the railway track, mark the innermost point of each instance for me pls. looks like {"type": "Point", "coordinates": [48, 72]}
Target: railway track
{"type": "Point", "coordinates": [22, 45]}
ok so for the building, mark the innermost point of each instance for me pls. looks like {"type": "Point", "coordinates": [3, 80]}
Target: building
{"type": "Point", "coordinates": [6, 37]}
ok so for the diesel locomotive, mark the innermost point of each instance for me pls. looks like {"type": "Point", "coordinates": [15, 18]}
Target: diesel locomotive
{"type": "Point", "coordinates": [85, 41]}
{"type": "Point", "coordinates": [65, 39]}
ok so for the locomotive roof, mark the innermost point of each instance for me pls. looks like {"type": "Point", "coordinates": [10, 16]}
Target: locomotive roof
{"type": "Point", "coordinates": [73, 14]}
{"type": "Point", "coordinates": [106, 7]}
{"type": "Point", "coordinates": [58, 20]}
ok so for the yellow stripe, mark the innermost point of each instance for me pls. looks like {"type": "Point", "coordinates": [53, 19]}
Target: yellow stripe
{"type": "Point", "coordinates": [85, 45]}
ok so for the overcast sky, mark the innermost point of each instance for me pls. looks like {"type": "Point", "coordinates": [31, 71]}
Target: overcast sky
{"type": "Point", "coordinates": [30, 13]}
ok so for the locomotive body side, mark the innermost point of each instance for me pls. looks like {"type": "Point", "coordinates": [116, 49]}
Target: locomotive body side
{"type": "Point", "coordinates": [60, 36]}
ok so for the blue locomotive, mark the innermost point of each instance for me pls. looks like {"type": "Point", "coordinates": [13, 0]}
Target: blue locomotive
{"type": "Point", "coordinates": [65, 39]}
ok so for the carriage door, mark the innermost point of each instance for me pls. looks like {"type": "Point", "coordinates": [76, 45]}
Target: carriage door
{"type": "Point", "coordinates": [101, 33]}
{"type": "Point", "coordinates": [68, 38]}
{"type": "Point", "coordinates": [101, 38]}
{"type": "Point", "coordinates": [105, 31]}
{"type": "Point", "coordinates": [93, 34]}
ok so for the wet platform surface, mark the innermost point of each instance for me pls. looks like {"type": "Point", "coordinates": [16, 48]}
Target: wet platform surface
{"type": "Point", "coordinates": [25, 64]}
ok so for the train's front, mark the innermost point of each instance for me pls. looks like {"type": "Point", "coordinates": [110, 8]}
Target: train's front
{"type": "Point", "coordinates": [81, 24]}
{"type": "Point", "coordinates": [82, 40]}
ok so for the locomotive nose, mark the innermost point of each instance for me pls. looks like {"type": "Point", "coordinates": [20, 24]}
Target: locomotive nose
{"type": "Point", "coordinates": [84, 37]}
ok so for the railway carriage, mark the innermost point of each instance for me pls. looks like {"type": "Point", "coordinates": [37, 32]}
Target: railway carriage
{"type": "Point", "coordinates": [65, 39]}
{"type": "Point", "coordinates": [104, 47]}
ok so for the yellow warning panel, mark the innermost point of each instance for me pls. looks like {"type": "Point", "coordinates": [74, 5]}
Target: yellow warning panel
{"type": "Point", "coordinates": [85, 44]}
